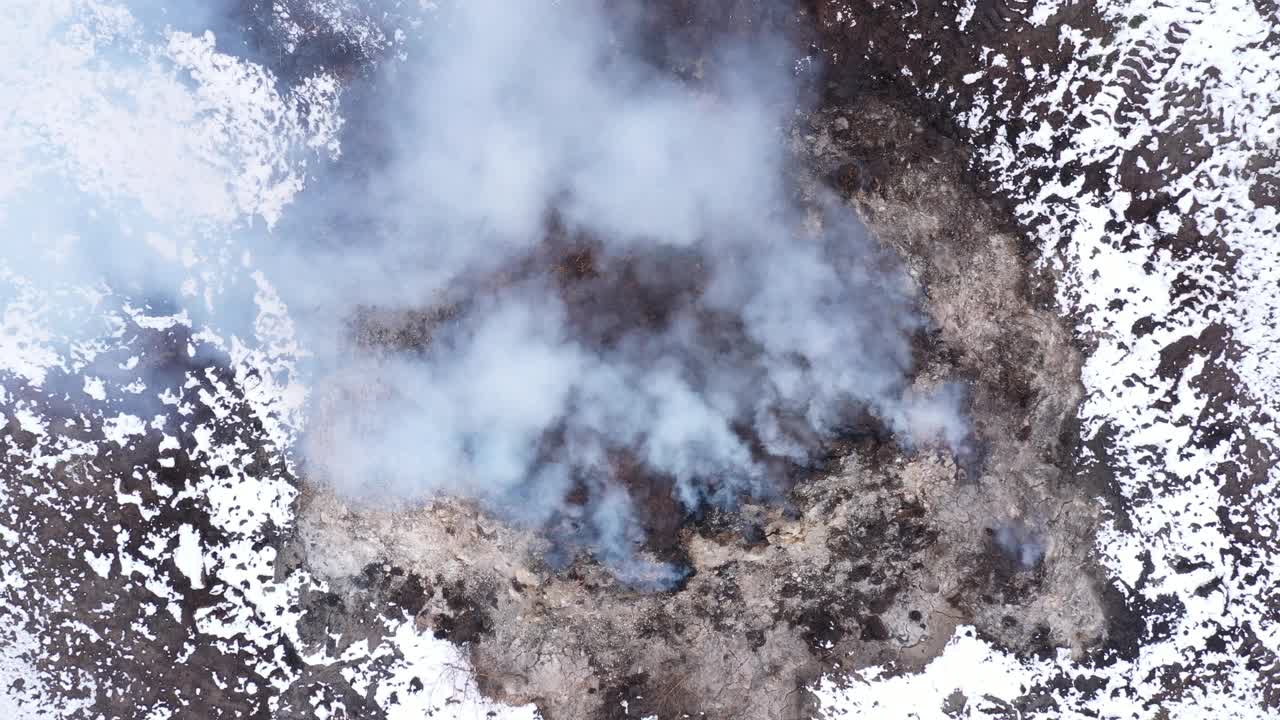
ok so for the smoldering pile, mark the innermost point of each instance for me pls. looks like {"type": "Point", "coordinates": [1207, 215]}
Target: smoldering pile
{"type": "Point", "coordinates": [571, 280]}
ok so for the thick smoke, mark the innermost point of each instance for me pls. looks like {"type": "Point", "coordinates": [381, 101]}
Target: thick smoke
{"type": "Point", "coordinates": [549, 276]}
{"type": "Point", "coordinates": [568, 272]}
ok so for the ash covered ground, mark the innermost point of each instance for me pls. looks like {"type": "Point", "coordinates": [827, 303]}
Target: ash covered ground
{"type": "Point", "coordinates": [1078, 195]}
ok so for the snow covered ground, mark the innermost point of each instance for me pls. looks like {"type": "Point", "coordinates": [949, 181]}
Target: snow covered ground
{"type": "Point", "coordinates": [165, 140]}
{"type": "Point", "coordinates": [1160, 237]}
{"type": "Point", "coordinates": [1163, 240]}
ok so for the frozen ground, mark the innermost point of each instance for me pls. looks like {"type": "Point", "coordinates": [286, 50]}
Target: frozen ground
{"type": "Point", "coordinates": [146, 481]}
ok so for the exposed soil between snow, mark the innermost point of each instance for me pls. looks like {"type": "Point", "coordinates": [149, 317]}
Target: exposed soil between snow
{"type": "Point", "coordinates": [874, 560]}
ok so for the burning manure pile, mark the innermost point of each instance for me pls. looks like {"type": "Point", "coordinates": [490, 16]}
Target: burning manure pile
{"type": "Point", "coordinates": [611, 368]}
{"type": "Point", "coordinates": [622, 297]}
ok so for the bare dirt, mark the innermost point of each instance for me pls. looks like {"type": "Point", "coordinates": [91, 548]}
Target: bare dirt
{"type": "Point", "coordinates": [872, 560]}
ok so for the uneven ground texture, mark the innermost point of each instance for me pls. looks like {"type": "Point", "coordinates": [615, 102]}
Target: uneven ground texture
{"type": "Point", "coordinates": [875, 559]}
{"type": "Point", "coordinates": [1084, 195]}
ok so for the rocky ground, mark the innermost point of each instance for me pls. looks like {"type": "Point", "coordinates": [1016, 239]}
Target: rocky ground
{"type": "Point", "coordinates": [1081, 195]}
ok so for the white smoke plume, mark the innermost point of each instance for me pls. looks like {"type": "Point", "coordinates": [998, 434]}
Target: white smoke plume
{"type": "Point", "coordinates": [584, 273]}
{"type": "Point", "coordinates": [548, 275]}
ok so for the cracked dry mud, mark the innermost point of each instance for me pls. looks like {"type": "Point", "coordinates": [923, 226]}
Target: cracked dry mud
{"type": "Point", "coordinates": [873, 559]}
